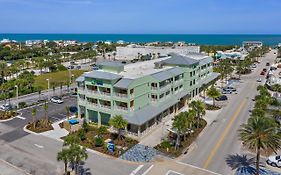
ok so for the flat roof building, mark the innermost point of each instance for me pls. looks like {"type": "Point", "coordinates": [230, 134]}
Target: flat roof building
{"type": "Point", "coordinates": [144, 92]}
{"type": "Point", "coordinates": [134, 51]}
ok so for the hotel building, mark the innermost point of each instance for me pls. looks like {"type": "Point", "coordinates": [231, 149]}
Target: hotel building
{"type": "Point", "coordinates": [144, 92]}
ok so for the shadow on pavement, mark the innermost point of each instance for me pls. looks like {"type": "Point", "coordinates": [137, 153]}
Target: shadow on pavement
{"type": "Point", "coordinates": [243, 165]}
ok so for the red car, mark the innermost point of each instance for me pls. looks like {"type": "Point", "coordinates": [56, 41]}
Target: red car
{"type": "Point", "coordinates": [262, 73]}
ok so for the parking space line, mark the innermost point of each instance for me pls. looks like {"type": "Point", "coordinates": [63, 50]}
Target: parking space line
{"type": "Point", "coordinates": [148, 170]}
{"type": "Point", "coordinates": [22, 118]}
{"type": "Point", "coordinates": [136, 170]}
{"type": "Point", "coordinates": [171, 171]}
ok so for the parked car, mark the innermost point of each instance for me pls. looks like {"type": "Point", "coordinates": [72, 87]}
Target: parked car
{"type": "Point", "coordinates": [259, 80]}
{"type": "Point", "coordinates": [95, 68]}
{"type": "Point", "coordinates": [6, 107]}
{"type": "Point", "coordinates": [226, 92]}
{"type": "Point", "coordinates": [262, 73]}
{"type": "Point", "coordinates": [74, 94]}
{"type": "Point", "coordinates": [228, 88]}
{"type": "Point", "coordinates": [254, 66]}
{"type": "Point", "coordinates": [78, 67]}
{"type": "Point", "coordinates": [222, 98]}
{"type": "Point", "coordinates": [274, 161]}
{"type": "Point", "coordinates": [56, 99]}
{"type": "Point", "coordinates": [267, 64]}
{"type": "Point", "coordinates": [264, 69]}
{"type": "Point", "coordinates": [70, 67]}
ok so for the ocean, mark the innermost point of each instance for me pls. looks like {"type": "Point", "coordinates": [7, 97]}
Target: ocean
{"type": "Point", "coordinates": [203, 39]}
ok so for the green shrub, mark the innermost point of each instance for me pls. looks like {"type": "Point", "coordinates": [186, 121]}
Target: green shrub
{"type": "Point", "coordinates": [60, 67]}
{"type": "Point", "coordinates": [82, 135]}
{"type": "Point", "coordinates": [102, 130]}
{"type": "Point", "coordinates": [22, 104]}
{"type": "Point", "coordinates": [99, 142]}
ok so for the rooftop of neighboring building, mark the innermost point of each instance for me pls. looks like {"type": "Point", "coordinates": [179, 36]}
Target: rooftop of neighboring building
{"type": "Point", "coordinates": [145, 68]}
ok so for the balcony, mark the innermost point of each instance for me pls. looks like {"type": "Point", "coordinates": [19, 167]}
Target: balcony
{"type": "Point", "coordinates": [105, 106]}
{"type": "Point", "coordinates": [122, 108]}
{"type": "Point", "coordinates": [154, 88]}
{"type": "Point", "coordinates": [120, 95]}
{"type": "Point", "coordinates": [178, 81]}
{"type": "Point", "coordinates": [105, 93]}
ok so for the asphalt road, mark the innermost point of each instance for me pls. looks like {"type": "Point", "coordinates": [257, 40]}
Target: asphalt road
{"type": "Point", "coordinates": [220, 139]}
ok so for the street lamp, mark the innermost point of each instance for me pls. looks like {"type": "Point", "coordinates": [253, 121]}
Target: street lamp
{"type": "Point", "coordinates": [72, 75]}
{"type": "Point", "coordinates": [17, 95]}
{"type": "Point", "coordinates": [48, 89]}
{"type": "Point", "coordinates": [69, 74]}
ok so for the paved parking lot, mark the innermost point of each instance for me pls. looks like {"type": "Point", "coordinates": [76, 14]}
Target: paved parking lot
{"type": "Point", "coordinates": [55, 112]}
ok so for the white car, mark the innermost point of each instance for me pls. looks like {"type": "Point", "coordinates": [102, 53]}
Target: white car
{"type": "Point", "coordinates": [274, 161]}
{"type": "Point", "coordinates": [56, 99]}
{"type": "Point", "coordinates": [6, 107]}
{"type": "Point", "coordinates": [259, 80]}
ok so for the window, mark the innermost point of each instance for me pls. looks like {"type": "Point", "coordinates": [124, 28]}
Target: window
{"type": "Point", "coordinates": [181, 86]}
{"type": "Point", "coordinates": [190, 74]}
{"type": "Point", "coordinates": [176, 88]}
{"type": "Point", "coordinates": [168, 92]}
{"type": "Point", "coordinates": [194, 81]}
{"type": "Point", "coordinates": [161, 96]}
{"type": "Point", "coordinates": [190, 83]}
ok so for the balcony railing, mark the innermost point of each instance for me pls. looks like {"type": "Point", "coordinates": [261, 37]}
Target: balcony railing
{"type": "Point", "coordinates": [121, 95]}
{"type": "Point", "coordinates": [105, 106]}
{"type": "Point", "coordinates": [154, 88]}
{"type": "Point", "coordinates": [105, 93]}
{"type": "Point", "coordinates": [178, 81]}
{"type": "Point", "coordinates": [122, 108]}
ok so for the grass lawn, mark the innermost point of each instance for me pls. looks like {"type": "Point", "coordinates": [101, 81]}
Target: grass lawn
{"type": "Point", "coordinates": [56, 78]}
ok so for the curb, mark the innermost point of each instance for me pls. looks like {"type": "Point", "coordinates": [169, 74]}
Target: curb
{"type": "Point", "coordinates": [2, 121]}
{"type": "Point", "coordinates": [30, 132]}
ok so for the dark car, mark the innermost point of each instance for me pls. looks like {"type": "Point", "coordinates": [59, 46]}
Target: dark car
{"type": "Point", "coordinates": [262, 73]}
{"type": "Point", "coordinates": [264, 70]}
{"type": "Point", "coordinates": [222, 98]}
{"type": "Point", "coordinates": [267, 64]}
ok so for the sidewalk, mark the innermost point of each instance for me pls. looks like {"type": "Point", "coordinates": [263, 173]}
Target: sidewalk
{"type": "Point", "coordinates": [161, 131]}
{"type": "Point", "coordinates": [57, 133]}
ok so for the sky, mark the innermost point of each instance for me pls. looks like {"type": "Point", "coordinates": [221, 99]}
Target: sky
{"type": "Point", "coordinates": [141, 16]}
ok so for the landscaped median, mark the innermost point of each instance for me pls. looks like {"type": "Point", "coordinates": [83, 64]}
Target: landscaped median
{"type": "Point", "coordinates": [168, 145]}
{"type": "Point", "coordinates": [8, 115]}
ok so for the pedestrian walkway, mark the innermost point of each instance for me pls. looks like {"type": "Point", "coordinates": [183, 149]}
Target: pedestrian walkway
{"type": "Point", "coordinates": [57, 133]}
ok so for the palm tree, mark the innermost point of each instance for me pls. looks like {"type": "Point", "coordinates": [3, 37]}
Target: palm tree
{"type": "Point", "coordinates": [64, 155]}
{"type": "Point", "coordinates": [3, 68]}
{"type": "Point", "coordinates": [191, 117]}
{"type": "Point", "coordinates": [213, 93]}
{"type": "Point", "coordinates": [45, 107]}
{"type": "Point", "coordinates": [119, 123]}
{"type": "Point", "coordinates": [199, 107]}
{"type": "Point", "coordinates": [179, 125]}
{"type": "Point", "coordinates": [204, 87]}
{"type": "Point", "coordinates": [67, 108]}
{"type": "Point", "coordinates": [259, 133]}
{"type": "Point", "coordinates": [78, 154]}
{"type": "Point", "coordinates": [33, 113]}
